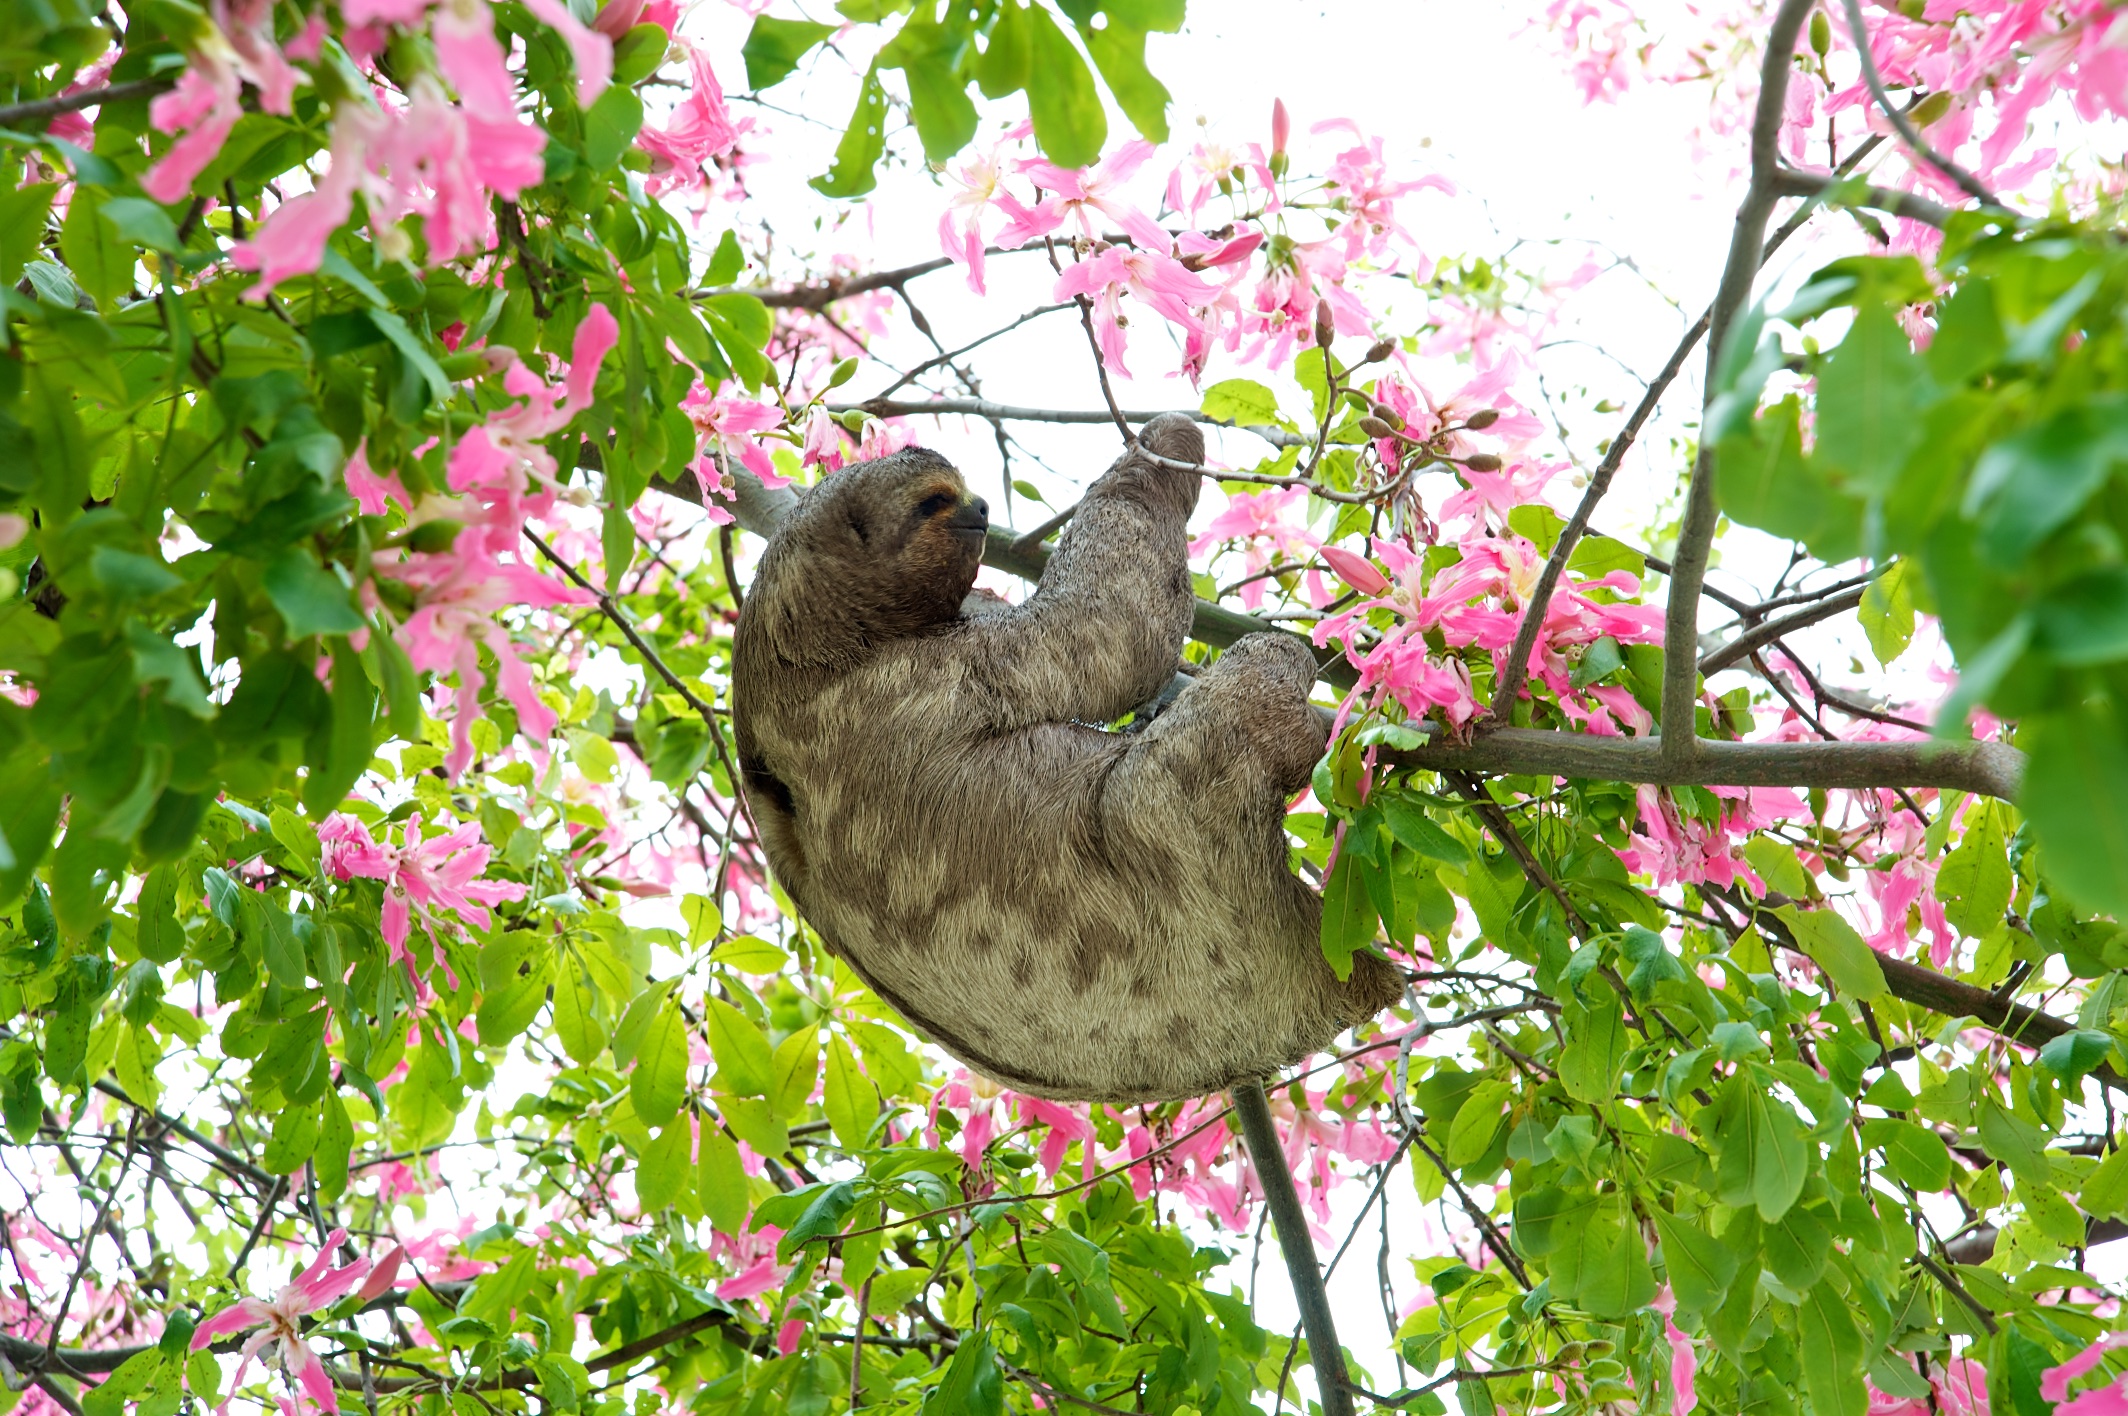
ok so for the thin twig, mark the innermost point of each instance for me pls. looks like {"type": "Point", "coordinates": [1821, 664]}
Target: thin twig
{"type": "Point", "coordinates": [1908, 134]}
{"type": "Point", "coordinates": [15, 114]}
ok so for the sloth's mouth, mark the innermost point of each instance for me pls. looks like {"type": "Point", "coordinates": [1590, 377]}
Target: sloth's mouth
{"type": "Point", "coordinates": [971, 526]}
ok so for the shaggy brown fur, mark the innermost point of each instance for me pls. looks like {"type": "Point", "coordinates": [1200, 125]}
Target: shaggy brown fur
{"type": "Point", "coordinates": [1076, 913]}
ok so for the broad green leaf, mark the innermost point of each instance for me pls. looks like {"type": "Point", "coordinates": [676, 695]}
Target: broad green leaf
{"type": "Point", "coordinates": [745, 1063]}
{"type": "Point", "coordinates": [1914, 1154]}
{"type": "Point", "coordinates": [1887, 611]}
{"type": "Point", "coordinates": [2076, 796]}
{"type": "Point", "coordinates": [1765, 481]}
{"type": "Point", "coordinates": [1764, 1156]}
{"type": "Point", "coordinates": [2105, 1193]}
{"type": "Point", "coordinates": [1796, 1248]}
{"type": "Point", "coordinates": [2085, 619]}
{"type": "Point", "coordinates": [311, 599]}
{"type": "Point", "coordinates": [336, 1139]}
{"type": "Point", "coordinates": [2014, 1141]}
{"type": "Point", "coordinates": [1119, 53]}
{"type": "Point", "coordinates": [848, 1097]}
{"type": "Point", "coordinates": [797, 1069]}
{"type": "Point", "coordinates": [1477, 1122]}
{"type": "Point", "coordinates": [862, 143]}
{"type": "Point", "coordinates": [610, 125]}
{"type": "Point", "coordinates": [1242, 402]}
{"type": "Point", "coordinates": [666, 1172]}
{"type": "Point", "coordinates": [577, 1019]}
{"type": "Point", "coordinates": [721, 1178]}
{"type": "Point", "coordinates": [1595, 1046]}
{"type": "Point", "coordinates": [1409, 823]}
{"type": "Point", "coordinates": [1974, 882]}
{"type": "Point", "coordinates": [1832, 1353]}
{"type": "Point", "coordinates": [1349, 919]}
{"type": "Point", "coordinates": [1069, 124]}
{"type": "Point", "coordinates": [1834, 946]}
{"type": "Point", "coordinates": [2032, 482]}
{"type": "Point", "coordinates": [22, 214]}
{"type": "Point", "coordinates": [1601, 1264]}
{"type": "Point", "coordinates": [658, 1084]}
{"type": "Point", "coordinates": [773, 48]}
{"type": "Point", "coordinates": [156, 932]}
{"type": "Point", "coordinates": [1700, 1266]}
{"type": "Point", "coordinates": [972, 1386]}
{"type": "Point", "coordinates": [295, 1136]}
{"type": "Point", "coordinates": [100, 261]}
{"type": "Point", "coordinates": [1869, 392]}
{"type": "Point", "coordinates": [1008, 54]}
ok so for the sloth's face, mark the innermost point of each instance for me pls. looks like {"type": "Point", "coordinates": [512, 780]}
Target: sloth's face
{"type": "Point", "coordinates": [917, 526]}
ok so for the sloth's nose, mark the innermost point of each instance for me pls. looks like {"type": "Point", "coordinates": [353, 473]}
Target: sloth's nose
{"type": "Point", "coordinates": [974, 515]}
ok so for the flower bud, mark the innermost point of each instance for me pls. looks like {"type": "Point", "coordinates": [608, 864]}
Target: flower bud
{"type": "Point", "coordinates": [1325, 325]}
{"type": "Point", "coordinates": [1388, 415]}
{"type": "Point", "coordinates": [1355, 570]}
{"type": "Point", "coordinates": [434, 537]}
{"type": "Point", "coordinates": [1379, 350]}
{"type": "Point", "coordinates": [1482, 419]}
{"type": "Point", "coordinates": [1482, 462]}
{"type": "Point", "coordinates": [1820, 34]}
{"type": "Point", "coordinates": [1281, 125]}
{"type": "Point", "coordinates": [1374, 427]}
{"type": "Point", "coordinates": [852, 419]}
{"type": "Point", "coordinates": [843, 372]}
{"type": "Point", "coordinates": [1931, 110]}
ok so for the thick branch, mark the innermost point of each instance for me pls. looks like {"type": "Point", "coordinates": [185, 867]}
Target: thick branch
{"type": "Point", "coordinates": [37, 110]}
{"type": "Point", "coordinates": [1988, 768]}
{"type": "Point", "coordinates": [1696, 538]}
{"type": "Point", "coordinates": [1788, 182]}
{"type": "Point", "coordinates": [1269, 1161]}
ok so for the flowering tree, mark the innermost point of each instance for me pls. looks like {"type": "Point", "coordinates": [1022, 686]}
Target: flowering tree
{"type": "Point", "coordinates": [393, 397]}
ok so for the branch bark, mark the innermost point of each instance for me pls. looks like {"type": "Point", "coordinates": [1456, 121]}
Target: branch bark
{"type": "Point", "coordinates": [1752, 640]}
{"type": "Point", "coordinates": [1253, 1110]}
{"type": "Point", "coordinates": [1988, 768]}
{"type": "Point", "coordinates": [1695, 540]}
{"type": "Point", "coordinates": [1788, 182]}
{"type": "Point", "coordinates": [38, 110]}
{"type": "Point", "coordinates": [1013, 413]}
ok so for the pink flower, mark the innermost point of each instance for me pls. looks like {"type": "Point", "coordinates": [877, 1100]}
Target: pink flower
{"type": "Point", "coordinates": [701, 129]}
{"type": "Point", "coordinates": [1079, 194]}
{"type": "Point", "coordinates": [1356, 571]}
{"type": "Point", "coordinates": [1257, 520]}
{"type": "Point", "coordinates": [421, 877]}
{"type": "Point", "coordinates": [960, 229]}
{"type": "Point", "coordinates": [1159, 281]}
{"type": "Point", "coordinates": [727, 428]}
{"type": "Point", "coordinates": [2108, 1400]}
{"type": "Point", "coordinates": [239, 47]}
{"type": "Point", "coordinates": [280, 1320]}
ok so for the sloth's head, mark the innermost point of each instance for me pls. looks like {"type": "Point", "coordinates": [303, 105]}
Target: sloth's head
{"type": "Point", "coordinates": [878, 551]}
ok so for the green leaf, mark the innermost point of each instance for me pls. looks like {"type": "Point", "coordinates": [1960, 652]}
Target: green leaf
{"type": "Point", "coordinates": [1915, 1155]}
{"type": "Point", "coordinates": [577, 1019]}
{"type": "Point", "coordinates": [745, 1064]}
{"type": "Point", "coordinates": [1349, 919]}
{"type": "Point", "coordinates": [140, 222]}
{"type": "Point", "coordinates": [1599, 1264]}
{"type": "Point", "coordinates": [1832, 1353]}
{"type": "Point", "coordinates": [658, 1084]}
{"type": "Point", "coordinates": [721, 1178]}
{"type": "Point", "coordinates": [2076, 797]}
{"type": "Point", "coordinates": [1834, 946]}
{"type": "Point", "coordinates": [295, 1136]}
{"type": "Point", "coordinates": [2105, 1192]}
{"type": "Point", "coordinates": [863, 141]}
{"type": "Point", "coordinates": [773, 48]}
{"type": "Point", "coordinates": [848, 1097]}
{"type": "Point", "coordinates": [667, 1169]}
{"type": "Point", "coordinates": [1069, 124]}
{"type": "Point", "coordinates": [1008, 55]}
{"type": "Point", "coordinates": [101, 263]}
{"type": "Point", "coordinates": [1409, 823]}
{"type": "Point", "coordinates": [394, 328]}
{"type": "Point", "coordinates": [156, 932]}
{"type": "Point", "coordinates": [1764, 1153]}
{"type": "Point", "coordinates": [1974, 881]}
{"type": "Point", "coordinates": [1887, 611]}
{"type": "Point", "coordinates": [2015, 1142]}
{"type": "Point", "coordinates": [797, 1068]}
{"type": "Point", "coordinates": [311, 599]}
{"type": "Point", "coordinates": [2085, 620]}
{"type": "Point", "coordinates": [2074, 1055]}
{"type": "Point", "coordinates": [1242, 402]}
{"type": "Point", "coordinates": [348, 744]}
{"type": "Point", "coordinates": [1700, 1266]}
{"type": "Point", "coordinates": [972, 1386]}
{"type": "Point", "coordinates": [824, 1213]}
{"type": "Point", "coordinates": [2031, 483]}
{"type": "Point", "coordinates": [1596, 1044]}
{"type": "Point", "coordinates": [1766, 482]}
{"type": "Point", "coordinates": [1477, 1122]}
{"type": "Point", "coordinates": [610, 125]}
{"type": "Point", "coordinates": [1869, 393]}
{"type": "Point", "coordinates": [336, 1140]}
{"type": "Point", "coordinates": [1119, 52]}
{"type": "Point", "coordinates": [22, 213]}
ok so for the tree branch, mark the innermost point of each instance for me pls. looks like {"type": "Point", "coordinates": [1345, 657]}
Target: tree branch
{"type": "Point", "coordinates": [1696, 538]}
{"type": "Point", "coordinates": [1987, 768]}
{"type": "Point", "coordinates": [15, 114]}
{"type": "Point", "coordinates": [1261, 1136]}
{"type": "Point", "coordinates": [1788, 182]}
{"type": "Point", "coordinates": [1908, 134]}
{"type": "Point", "coordinates": [1752, 640]}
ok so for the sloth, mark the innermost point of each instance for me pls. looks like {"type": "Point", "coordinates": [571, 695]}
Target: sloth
{"type": "Point", "coordinates": [1076, 913]}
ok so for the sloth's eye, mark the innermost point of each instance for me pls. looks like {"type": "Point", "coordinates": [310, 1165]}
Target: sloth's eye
{"type": "Point", "coordinates": [934, 504]}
